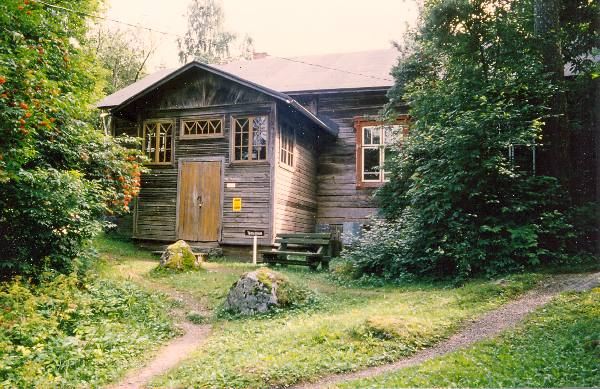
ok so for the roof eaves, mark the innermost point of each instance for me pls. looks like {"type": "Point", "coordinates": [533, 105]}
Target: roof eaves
{"type": "Point", "coordinates": [338, 90]}
{"type": "Point", "coordinates": [277, 95]}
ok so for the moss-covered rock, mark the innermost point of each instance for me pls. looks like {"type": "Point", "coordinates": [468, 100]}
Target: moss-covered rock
{"type": "Point", "coordinates": [179, 256]}
{"type": "Point", "coordinates": [261, 290]}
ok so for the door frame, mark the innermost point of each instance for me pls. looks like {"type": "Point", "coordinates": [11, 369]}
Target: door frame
{"type": "Point", "coordinates": [202, 159]}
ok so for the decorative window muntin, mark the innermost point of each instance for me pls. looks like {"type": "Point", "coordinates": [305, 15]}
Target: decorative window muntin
{"type": "Point", "coordinates": [194, 128]}
{"type": "Point", "coordinates": [157, 141]}
{"type": "Point", "coordinates": [287, 140]}
{"type": "Point", "coordinates": [250, 138]}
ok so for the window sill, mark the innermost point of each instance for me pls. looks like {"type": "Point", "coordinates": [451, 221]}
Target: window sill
{"type": "Point", "coordinates": [197, 137]}
{"type": "Point", "coordinates": [158, 164]}
{"type": "Point", "coordinates": [251, 162]}
{"type": "Point", "coordinates": [369, 185]}
{"type": "Point", "coordinates": [284, 166]}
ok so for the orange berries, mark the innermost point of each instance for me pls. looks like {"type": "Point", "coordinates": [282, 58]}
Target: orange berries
{"type": "Point", "coordinates": [4, 95]}
{"type": "Point", "coordinates": [27, 114]}
{"type": "Point", "coordinates": [22, 121]}
{"type": "Point", "coordinates": [20, 8]}
{"type": "Point", "coordinates": [24, 106]}
{"type": "Point", "coordinates": [52, 120]}
{"type": "Point", "coordinates": [43, 123]}
{"type": "Point", "coordinates": [2, 80]}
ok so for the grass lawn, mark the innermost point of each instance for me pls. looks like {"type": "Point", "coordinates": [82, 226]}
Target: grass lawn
{"type": "Point", "coordinates": [558, 346]}
{"type": "Point", "coordinates": [347, 328]}
{"type": "Point", "coordinates": [66, 333]}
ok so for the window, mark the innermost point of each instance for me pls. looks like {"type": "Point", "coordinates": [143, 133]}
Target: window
{"type": "Point", "coordinates": [158, 141]}
{"type": "Point", "coordinates": [522, 156]}
{"type": "Point", "coordinates": [287, 137]}
{"type": "Point", "coordinates": [250, 138]}
{"type": "Point", "coordinates": [373, 141]}
{"type": "Point", "coordinates": [194, 128]}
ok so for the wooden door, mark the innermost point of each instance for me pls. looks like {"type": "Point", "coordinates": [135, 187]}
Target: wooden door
{"type": "Point", "coordinates": [199, 194]}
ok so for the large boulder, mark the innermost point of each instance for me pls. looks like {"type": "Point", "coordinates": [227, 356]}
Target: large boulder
{"type": "Point", "coordinates": [261, 290]}
{"type": "Point", "coordinates": [179, 256]}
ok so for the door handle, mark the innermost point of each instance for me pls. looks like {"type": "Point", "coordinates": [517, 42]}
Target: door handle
{"type": "Point", "coordinates": [199, 199]}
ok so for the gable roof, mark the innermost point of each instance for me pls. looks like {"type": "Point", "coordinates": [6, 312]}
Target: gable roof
{"type": "Point", "coordinates": [365, 69]}
{"type": "Point", "coordinates": [359, 70]}
{"type": "Point", "coordinates": [125, 96]}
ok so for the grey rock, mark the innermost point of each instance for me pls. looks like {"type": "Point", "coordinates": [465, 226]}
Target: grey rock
{"type": "Point", "coordinates": [256, 292]}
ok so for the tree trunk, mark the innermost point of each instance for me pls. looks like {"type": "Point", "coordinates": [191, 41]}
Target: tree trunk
{"type": "Point", "coordinates": [556, 159]}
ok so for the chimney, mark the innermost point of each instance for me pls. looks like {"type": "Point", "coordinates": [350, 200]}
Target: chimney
{"type": "Point", "coordinates": [256, 55]}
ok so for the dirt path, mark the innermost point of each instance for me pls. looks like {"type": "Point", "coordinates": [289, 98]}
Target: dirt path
{"type": "Point", "coordinates": [177, 349]}
{"type": "Point", "coordinates": [487, 326]}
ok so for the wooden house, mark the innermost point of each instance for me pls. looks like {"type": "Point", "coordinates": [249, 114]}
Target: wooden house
{"type": "Point", "coordinates": [271, 145]}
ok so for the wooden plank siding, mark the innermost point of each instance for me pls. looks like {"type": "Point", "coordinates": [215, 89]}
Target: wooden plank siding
{"type": "Point", "coordinates": [319, 189]}
{"type": "Point", "coordinates": [338, 198]}
{"type": "Point", "coordinates": [205, 95]}
{"type": "Point", "coordinates": [296, 186]}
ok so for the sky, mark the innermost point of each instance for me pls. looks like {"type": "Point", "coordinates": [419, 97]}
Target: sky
{"type": "Point", "coordinates": [279, 27]}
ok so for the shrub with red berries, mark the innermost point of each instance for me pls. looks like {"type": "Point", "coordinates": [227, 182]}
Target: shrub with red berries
{"type": "Point", "coordinates": [59, 176]}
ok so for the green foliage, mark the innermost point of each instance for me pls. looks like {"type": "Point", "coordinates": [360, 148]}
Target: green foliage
{"type": "Point", "coordinates": [58, 175]}
{"type": "Point", "coordinates": [289, 294]}
{"type": "Point", "coordinates": [557, 347]}
{"type": "Point", "coordinates": [67, 333]}
{"type": "Point", "coordinates": [195, 317]}
{"type": "Point", "coordinates": [456, 205]}
{"type": "Point", "coordinates": [205, 39]}
{"type": "Point", "coordinates": [122, 54]}
{"type": "Point", "coordinates": [179, 258]}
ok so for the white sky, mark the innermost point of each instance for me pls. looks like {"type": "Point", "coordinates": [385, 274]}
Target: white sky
{"type": "Point", "coordinates": [278, 27]}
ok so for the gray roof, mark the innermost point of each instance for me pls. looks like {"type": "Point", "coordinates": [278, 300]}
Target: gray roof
{"type": "Point", "coordinates": [365, 69]}
{"type": "Point", "coordinates": [360, 70]}
{"type": "Point", "coordinates": [129, 91]}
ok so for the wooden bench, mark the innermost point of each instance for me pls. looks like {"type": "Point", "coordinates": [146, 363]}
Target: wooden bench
{"type": "Point", "coordinates": [306, 249]}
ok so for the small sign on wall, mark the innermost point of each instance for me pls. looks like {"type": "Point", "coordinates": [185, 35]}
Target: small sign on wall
{"type": "Point", "coordinates": [236, 204]}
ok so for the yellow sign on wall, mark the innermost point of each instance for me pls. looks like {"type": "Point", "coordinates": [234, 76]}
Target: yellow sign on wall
{"type": "Point", "coordinates": [237, 204]}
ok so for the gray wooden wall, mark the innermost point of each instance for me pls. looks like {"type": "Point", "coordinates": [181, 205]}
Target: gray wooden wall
{"type": "Point", "coordinates": [296, 186]}
{"type": "Point", "coordinates": [200, 94]}
{"type": "Point", "coordinates": [338, 198]}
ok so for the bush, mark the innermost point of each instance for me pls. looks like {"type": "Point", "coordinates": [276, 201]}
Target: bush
{"type": "Point", "coordinates": [62, 333]}
{"type": "Point", "coordinates": [47, 217]}
{"type": "Point", "coordinates": [58, 174]}
{"type": "Point", "coordinates": [522, 230]}
{"type": "Point", "coordinates": [458, 204]}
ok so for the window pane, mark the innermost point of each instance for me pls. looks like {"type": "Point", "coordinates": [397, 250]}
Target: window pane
{"type": "Point", "coordinates": [371, 163]}
{"type": "Point", "coordinates": [241, 139]}
{"type": "Point", "coordinates": [150, 141]}
{"type": "Point", "coordinates": [376, 135]}
{"type": "Point", "coordinates": [259, 137]}
{"type": "Point", "coordinates": [388, 157]}
{"type": "Point", "coordinates": [367, 138]}
{"type": "Point", "coordinates": [286, 144]}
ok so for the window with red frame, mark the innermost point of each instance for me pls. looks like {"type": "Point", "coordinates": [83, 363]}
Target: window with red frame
{"type": "Point", "coordinates": [374, 139]}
